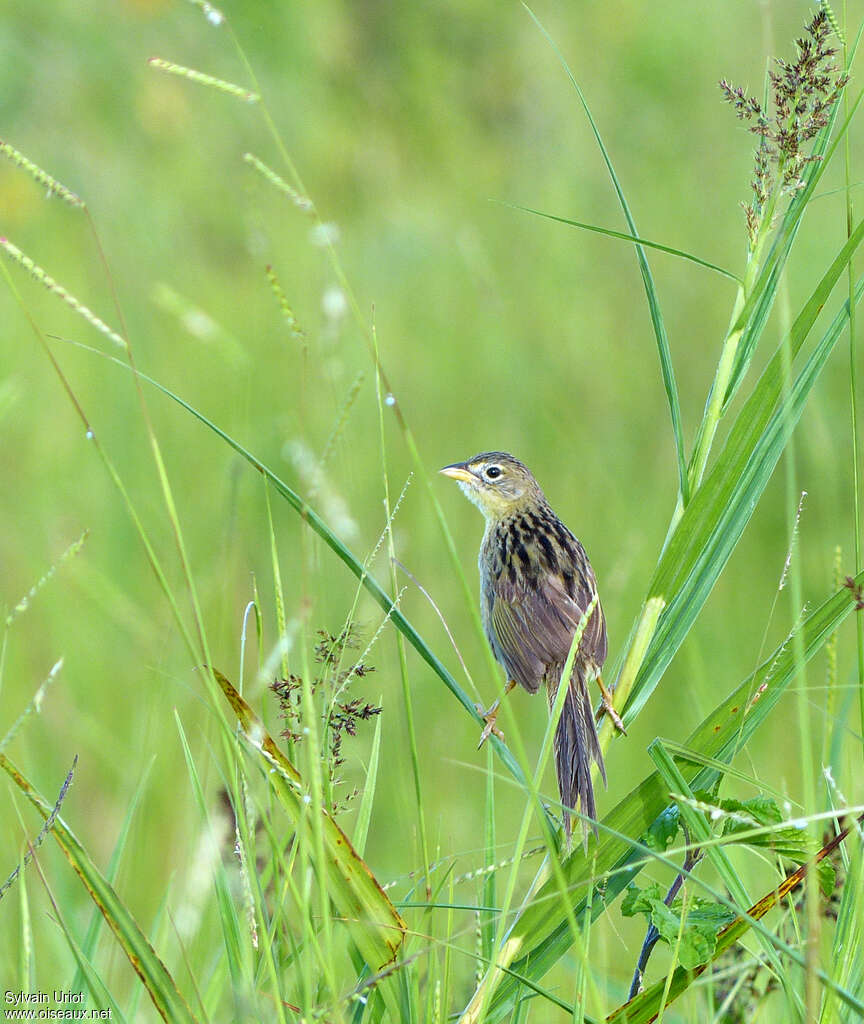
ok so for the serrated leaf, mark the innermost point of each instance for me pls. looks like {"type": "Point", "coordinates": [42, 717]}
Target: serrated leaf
{"type": "Point", "coordinates": [762, 812]}
{"type": "Point", "coordinates": [702, 925]}
{"type": "Point", "coordinates": [644, 1008]}
{"type": "Point", "coordinates": [640, 901]}
{"type": "Point", "coordinates": [827, 878]}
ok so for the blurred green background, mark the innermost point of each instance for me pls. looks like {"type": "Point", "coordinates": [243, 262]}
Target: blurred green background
{"type": "Point", "coordinates": [408, 124]}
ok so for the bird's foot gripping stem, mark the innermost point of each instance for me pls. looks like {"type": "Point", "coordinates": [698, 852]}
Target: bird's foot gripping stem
{"type": "Point", "coordinates": [608, 707]}
{"type": "Point", "coordinates": [489, 716]}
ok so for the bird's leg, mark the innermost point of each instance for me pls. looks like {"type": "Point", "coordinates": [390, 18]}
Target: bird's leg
{"type": "Point", "coordinates": [491, 714]}
{"type": "Point", "coordinates": [608, 708]}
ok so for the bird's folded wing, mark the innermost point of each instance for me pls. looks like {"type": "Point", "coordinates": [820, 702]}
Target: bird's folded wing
{"type": "Point", "coordinates": [534, 628]}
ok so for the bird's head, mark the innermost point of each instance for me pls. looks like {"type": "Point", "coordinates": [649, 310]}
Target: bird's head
{"type": "Point", "coordinates": [496, 483]}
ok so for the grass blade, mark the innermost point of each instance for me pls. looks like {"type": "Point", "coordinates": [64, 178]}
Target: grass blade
{"type": "Point", "coordinates": [646, 243]}
{"type": "Point", "coordinates": [160, 985]}
{"type": "Point", "coordinates": [663, 350]}
{"type": "Point", "coordinates": [364, 814]}
{"type": "Point", "coordinates": [92, 935]}
{"type": "Point", "coordinates": [367, 581]}
{"type": "Point", "coordinates": [236, 951]}
{"type": "Point", "coordinates": [716, 517]}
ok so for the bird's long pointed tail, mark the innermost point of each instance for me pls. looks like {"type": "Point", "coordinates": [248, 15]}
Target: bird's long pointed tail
{"type": "Point", "coordinates": [576, 746]}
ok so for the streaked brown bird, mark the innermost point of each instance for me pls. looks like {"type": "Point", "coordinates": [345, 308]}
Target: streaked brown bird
{"type": "Point", "coordinates": [535, 584]}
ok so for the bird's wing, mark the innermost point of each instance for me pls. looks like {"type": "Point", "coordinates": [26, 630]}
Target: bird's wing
{"type": "Point", "coordinates": [533, 627]}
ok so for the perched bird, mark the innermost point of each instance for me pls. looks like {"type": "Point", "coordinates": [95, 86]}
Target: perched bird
{"type": "Point", "coordinates": [535, 584]}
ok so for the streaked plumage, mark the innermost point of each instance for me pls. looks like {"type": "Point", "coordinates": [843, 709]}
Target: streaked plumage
{"type": "Point", "coordinates": [535, 584]}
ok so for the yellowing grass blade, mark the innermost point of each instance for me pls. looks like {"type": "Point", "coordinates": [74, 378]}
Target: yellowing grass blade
{"type": "Point", "coordinates": [373, 922]}
{"type": "Point", "coordinates": [149, 968]}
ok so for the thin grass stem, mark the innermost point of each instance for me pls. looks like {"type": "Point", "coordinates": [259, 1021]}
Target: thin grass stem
{"type": "Point", "coordinates": [400, 640]}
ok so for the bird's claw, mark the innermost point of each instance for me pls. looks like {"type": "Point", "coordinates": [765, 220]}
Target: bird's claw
{"type": "Point", "coordinates": [490, 729]}
{"type": "Point", "coordinates": [608, 707]}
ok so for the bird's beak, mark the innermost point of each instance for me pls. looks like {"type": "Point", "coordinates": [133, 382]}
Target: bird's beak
{"type": "Point", "coordinates": [458, 471]}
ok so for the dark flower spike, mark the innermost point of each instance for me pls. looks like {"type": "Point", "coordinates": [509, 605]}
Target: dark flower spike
{"type": "Point", "coordinates": [802, 96]}
{"type": "Point", "coordinates": [340, 713]}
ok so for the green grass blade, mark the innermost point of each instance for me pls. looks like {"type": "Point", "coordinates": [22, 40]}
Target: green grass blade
{"type": "Point", "coordinates": [700, 833]}
{"type": "Point", "coordinates": [849, 934]}
{"type": "Point", "coordinates": [92, 935]}
{"type": "Point", "coordinates": [101, 999]}
{"type": "Point", "coordinates": [237, 952]}
{"type": "Point", "coordinates": [370, 584]}
{"type": "Point", "coordinates": [663, 349]}
{"type": "Point", "coordinates": [488, 889]}
{"type": "Point", "coordinates": [716, 517]}
{"type": "Point", "coordinates": [159, 984]}
{"type": "Point", "coordinates": [645, 242]}
{"type": "Point", "coordinates": [542, 934]}
{"type": "Point", "coordinates": [364, 814]}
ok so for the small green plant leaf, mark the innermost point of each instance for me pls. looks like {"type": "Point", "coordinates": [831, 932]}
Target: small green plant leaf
{"type": "Point", "coordinates": [827, 878]}
{"type": "Point", "coordinates": [698, 934]}
{"type": "Point", "coordinates": [662, 830]}
{"type": "Point", "coordinates": [644, 1008]}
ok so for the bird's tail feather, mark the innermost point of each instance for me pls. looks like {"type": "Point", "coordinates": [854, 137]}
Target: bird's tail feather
{"type": "Point", "coordinates": [576, 746]}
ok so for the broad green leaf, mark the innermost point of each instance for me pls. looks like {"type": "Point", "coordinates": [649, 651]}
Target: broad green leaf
{"type": "Point", "coordinates": [713, 522]}
{"type": "Point", "coordinates": [159, 984]}
{"type": "Point", "coordinates": [662, 830]}
{"type": "Point", "coordinates": [827, 878]}
{"type": "Point", "coordinates": [640, 901]}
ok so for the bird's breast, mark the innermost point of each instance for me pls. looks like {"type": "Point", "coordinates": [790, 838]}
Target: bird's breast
{"type": "Point", "coordinates": [523, 546]}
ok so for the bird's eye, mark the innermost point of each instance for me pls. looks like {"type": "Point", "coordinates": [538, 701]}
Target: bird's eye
{"type": "Point", "coordinates": [493, 472]}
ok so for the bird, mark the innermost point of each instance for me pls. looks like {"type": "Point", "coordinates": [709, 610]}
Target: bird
{"type": "Point", "coordinates": [536, 583]}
